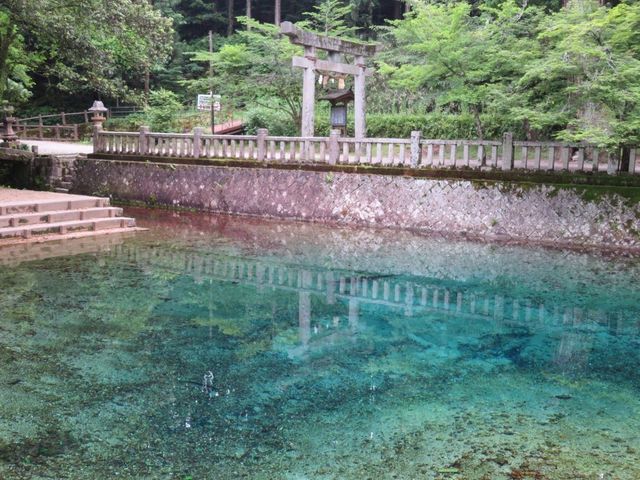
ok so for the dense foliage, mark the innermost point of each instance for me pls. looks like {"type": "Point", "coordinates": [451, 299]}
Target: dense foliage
{"type": "Point", "coordinates": [74, 47]}
{"type": "Point", "coordinates": [540, 68]}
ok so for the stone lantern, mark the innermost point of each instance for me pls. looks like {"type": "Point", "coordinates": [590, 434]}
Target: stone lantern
{"type": "Point", "coordinates": [98, 109]}
{"type": "Point", "coordinates": [6, 132]}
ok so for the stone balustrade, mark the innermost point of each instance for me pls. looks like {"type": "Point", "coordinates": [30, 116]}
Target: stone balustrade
{"type": "Point", "coordinates": [411, 153]}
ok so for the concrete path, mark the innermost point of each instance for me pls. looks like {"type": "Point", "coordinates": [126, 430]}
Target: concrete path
{"type": "Point", "coordinates": [59, 148]}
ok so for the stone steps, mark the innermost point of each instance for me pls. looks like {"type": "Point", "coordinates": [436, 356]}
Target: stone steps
{"type": "Point", "coordinates": [23, 219]}
{"type": "Point", "coordinates": [8, 208]}
{"type": "Point", "coordinates": [54, 216]}
{"type": "Point", "coordinates": [27, 231]}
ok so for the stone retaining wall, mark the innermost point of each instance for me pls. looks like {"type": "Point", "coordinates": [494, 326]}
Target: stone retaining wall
{"type": "Point", "coordinates": [503, 210]}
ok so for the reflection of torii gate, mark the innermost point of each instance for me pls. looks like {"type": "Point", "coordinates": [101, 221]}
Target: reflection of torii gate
{"type": "Point", "coordinates": [336, 48]}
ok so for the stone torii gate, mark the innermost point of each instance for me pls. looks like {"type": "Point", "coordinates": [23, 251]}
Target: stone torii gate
{"type": "Point", "coordinates": [335, 47]}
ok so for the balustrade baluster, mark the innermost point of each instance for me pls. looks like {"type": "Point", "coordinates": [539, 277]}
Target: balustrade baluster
{"type": "Point", "coordinates": [272, 150]}
{"type": "Point", "coordinates": [551, 157]}
{"type": "Point", "coordinates": [564, 155]}
{"type": "Point", "coordinates": [241, 148]}
{"type": "Point", "coordinates": [368, 153]}
{"type": "Point", "coordinates": [292, 151]}
{"type": "Point", "coordinates": [537, 157]}
{"type": "Point", "coordinates": [356, 152]}
{"type": "Point", "coordinates": [581, 159]}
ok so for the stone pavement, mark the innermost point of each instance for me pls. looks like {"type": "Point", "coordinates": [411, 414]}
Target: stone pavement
{"type": "Point", "coordinates": [59, 148]}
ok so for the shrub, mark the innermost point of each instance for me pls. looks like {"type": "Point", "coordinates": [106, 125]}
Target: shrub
{"type": "Point", "coordinates": [278, 123]}
{"type": "Point", "coordinates": [432, 125]}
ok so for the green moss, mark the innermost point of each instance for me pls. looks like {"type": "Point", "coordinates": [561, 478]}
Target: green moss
{"type": "Point", "coordinates": [630, 196]}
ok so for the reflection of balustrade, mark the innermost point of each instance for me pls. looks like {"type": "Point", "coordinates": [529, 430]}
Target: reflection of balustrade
{"type": "Point", "coordinates": [407, 296]}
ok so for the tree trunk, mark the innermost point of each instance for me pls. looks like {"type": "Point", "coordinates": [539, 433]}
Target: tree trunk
{"type": "Point", "coordinates": [626, 158]}
{"type": "Point", "coordinates": [249, 13]}
{"type": "Point", "coordinates": [479, 130]}
{"type": "Point", "coordinates": [5, 44]}
{"type": "Point", "coordinates": [278, 12]}
{"type": "Point", "coordinates": [397, 9]}
{"type": "Point", "coordinates": [478, 122]}
{"type": "Point", "coordinates": [230, 18]}
{"type": "Point", "coordinates": [146, 85]}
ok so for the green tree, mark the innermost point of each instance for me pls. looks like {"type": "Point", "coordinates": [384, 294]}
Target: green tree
{"type": "Point", "coordinates": [464, 62]}
{"type": "Point", "coordinates": [15, 81]}
{"type": "Point", "coordinates": [587, 83]}
{"type": "Point", "coordinates": [255, 68]}
{"type": "Point", "coordinates": [329, 17]}
{"type": "Point", "coordinates": [86, 45]}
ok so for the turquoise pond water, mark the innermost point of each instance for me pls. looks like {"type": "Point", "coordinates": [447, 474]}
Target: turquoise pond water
{"type": "Point", "coordinates": [225, 348]}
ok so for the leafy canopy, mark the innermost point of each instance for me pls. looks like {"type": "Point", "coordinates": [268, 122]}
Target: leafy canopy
{"type": "Point", "coordinates": [84, 45]}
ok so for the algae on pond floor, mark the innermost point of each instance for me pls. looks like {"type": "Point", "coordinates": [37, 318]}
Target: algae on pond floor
{"type": "Point", "coordinates": [261, 350]}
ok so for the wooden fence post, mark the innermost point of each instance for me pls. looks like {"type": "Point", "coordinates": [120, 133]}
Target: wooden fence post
{"type": "Point", "coordinates": [416, 149]}
{"type": "Point", "coordinates": [75, 131]}
{"type": "Point", "coordinates": [507, 151]}
{"type": "Point", "coordinates": [57, 132]}
{"type": "Point", "coordinates": [86, 116]}
{"type": "Point", "coordinates": [96, 138]}
{"type": "Point", "coordinates": [143, 148]}
{"type": "Point", "coordinates": [40, 128]}
{"type": "Point", "coordinates": [334, 147]}
{"type": "Point", "coordinates": [197, 142]}
{"type": "Point", "coordinates": [262, 144]}
{"type": "Point", "coordinates": [64, 118]}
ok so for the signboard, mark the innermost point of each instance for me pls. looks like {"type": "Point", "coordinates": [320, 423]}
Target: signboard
{"type": "Point", "coordinates": [339, 116]}
{"type": "Point", "coordinates": [204, 102]}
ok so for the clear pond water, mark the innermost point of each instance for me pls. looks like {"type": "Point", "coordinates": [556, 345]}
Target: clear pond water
{"type": "Point", "coordinates": [221, 348]}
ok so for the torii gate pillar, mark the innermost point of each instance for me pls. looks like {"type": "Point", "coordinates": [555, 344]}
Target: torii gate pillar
{"type": "Point", "coordinates": [359, 99]}
{"type": "Point", "coordinates": [310, 63]}
{"type": "Point", "coordinates": [309, 93]}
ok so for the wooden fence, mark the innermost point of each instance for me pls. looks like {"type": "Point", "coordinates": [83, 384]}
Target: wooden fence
{"type": "Point", "coordinates": [59, 126]}
{"type": "Point", "coordinates": [62, 126]}
{"type": "Point", "coordinates": [414, 152]}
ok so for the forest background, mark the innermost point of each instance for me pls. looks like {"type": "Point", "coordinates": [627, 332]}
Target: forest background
{"type": "Point", "coordinates": [459, 69]}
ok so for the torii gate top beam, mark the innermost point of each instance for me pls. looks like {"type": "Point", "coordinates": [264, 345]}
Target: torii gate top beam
{"type": "Point", "coordinates": [323, 42]}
